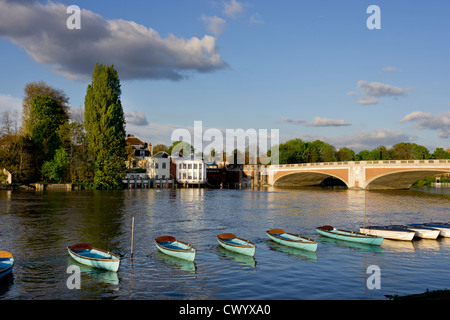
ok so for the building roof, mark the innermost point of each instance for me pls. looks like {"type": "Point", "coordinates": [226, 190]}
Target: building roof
{"type": "Point", "coordinates": [132, 140]}
{"type": "Point", "coordinates": [161, 154]}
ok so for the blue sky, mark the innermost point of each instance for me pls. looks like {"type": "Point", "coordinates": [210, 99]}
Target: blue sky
{"type": "Point", "coordinates": [311, 69]}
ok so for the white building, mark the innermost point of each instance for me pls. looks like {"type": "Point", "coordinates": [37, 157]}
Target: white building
{"type": "Point", "coordinates": [190, 170]}
{"type": "Point", "coordinates": [158, 166]}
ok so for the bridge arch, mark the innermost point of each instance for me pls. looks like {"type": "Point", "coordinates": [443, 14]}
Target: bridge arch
{"type": "Point", "coordinates": [305, 178]}
{"type": "Point", "coordinates": [398, 179]}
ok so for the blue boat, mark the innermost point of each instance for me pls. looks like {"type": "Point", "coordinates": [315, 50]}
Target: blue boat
{"type": "Point", "coordinates": [86, 254]}
{"type": "Point", "coordinates": [229, 241]}
{"type": "Point", "coordinates": [175, 248]}
{"type": "Point", "coordinates": [6, 263]}
{"type": "Point", "coordinates": [292, 240]}
{"type": "Point", "coordinates": [331, 232]}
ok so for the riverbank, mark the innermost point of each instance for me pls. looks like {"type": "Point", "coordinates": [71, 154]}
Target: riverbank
{"type": "Point", "coordinates": [427, 295]}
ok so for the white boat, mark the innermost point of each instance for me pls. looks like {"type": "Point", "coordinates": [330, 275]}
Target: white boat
{"type": "Point", "coordinates": [443, 227]}
{"type": "Point", "coordinates": [229, 241]}
{"type": "Point", "coordinates": [292, 240]}
{"type": "Point", "coordinates": [175, 248]}
{"type": "Point", "coordinates": [389, 232]}
{"type": "Point", "coordinates": [86, 254]}
{"type": "Point", "coordinates": [424, 232]}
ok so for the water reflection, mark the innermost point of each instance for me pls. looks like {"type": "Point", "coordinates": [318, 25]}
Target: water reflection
{"type": "Point", "coordinates": [37, 228]}
{"type": "Point", "coordinates": [351, 245]}
{"type": "Point", "coordinates": [243, 260]}
{"type": "Point", "coordinates": [293, 252]}
{"type": "Point", "coordinates": [175, 263]}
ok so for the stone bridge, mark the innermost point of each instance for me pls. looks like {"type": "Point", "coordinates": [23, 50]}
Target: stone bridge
{"type": "Point", "coordinates": [383, 174]}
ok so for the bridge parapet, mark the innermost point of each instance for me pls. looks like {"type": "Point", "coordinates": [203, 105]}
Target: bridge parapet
{"type": "Point", "coordinates": [375, 174]}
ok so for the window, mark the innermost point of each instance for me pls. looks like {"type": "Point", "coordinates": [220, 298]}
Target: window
{"type": "Point", "coordinates": [190, 166]}
{"type": "Point", "coordinates": [195, 166]}
{"type": "Point", "coordinates": [156, 165]}
{"type": "Point", "coordinates": [163, 177]}
{"type": "Point", "coordinates": [163, 166]}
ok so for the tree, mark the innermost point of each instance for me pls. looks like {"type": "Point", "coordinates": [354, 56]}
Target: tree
{"type": "Point", "coordinates": [345, 154]}
{"type": "Point", "coordinates": [57, 169]}
{"type": "Point", "coordinates": [105, 128]}
{"type": "Point", "coordinates": [292, 151]}
{"type": "Point", "coordinates": [40, 88]}
{"type": "Point", "coordinates": [407, 151]}
{"type": "Point", "coordinates": [182, 147]}
{"type": "Point", "coordinates": [440, 153]}
{"type": "Point", "coordinates": [47, 117]}
{"type": "Point", "coordinates": [159, 147]}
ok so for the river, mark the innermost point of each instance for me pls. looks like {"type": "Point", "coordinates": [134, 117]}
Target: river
{"type": "Point", "coordinates": [38, 227]}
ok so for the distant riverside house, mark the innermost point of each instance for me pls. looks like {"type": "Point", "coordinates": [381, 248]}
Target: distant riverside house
{"type": "Point", "coordinates": [190, 170]}
{"type": "Point", "coordinates": [141, 149]}
{"type": "Point", "coordinates": [158, 166]}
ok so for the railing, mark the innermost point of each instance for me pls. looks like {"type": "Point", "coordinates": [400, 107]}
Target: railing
{"type": "Point", "coordinates": [347, 163]}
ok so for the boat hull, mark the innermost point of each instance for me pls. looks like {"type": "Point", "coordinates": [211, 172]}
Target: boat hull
{"type": "Point", "coordinates": [6, 263]}
{"type": "Point", "coordinates": [424, 232]}
{"type": "Point", "coordinates": [349, 236]}
{"type": "Point", "coordinates": [293, 241]}
{"type": "Point", "coordinates": [237, 245]}
{"type": "Point", "coordinates": [94, 257]}
{"type": "Point", "coordinates": [175, 248]}
{"type": "Point", "coordinates": [389, 233]}
{"type": "Point", "coordinates": [444, 229]}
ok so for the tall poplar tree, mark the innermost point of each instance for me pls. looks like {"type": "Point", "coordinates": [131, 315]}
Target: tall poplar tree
{"type": "Point", "coordinates": [105, 128]}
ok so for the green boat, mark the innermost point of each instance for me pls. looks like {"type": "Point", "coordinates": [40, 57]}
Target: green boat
{"type": "Point", "coordinates": [331, 232]}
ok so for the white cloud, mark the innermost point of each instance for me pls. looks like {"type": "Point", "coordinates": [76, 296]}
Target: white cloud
{"type": "Point", "coordinates": [136, 118]}
{"type": "Point", "coordinates": [377, 89]}
{"type": "Point", "coordinates": [373, 90]}
{"type": "Point", "coordinates": [256, 19]}
{"type": "Point", "coordinates": [368, 100]}
{"type": "Point", "coordinates": [425, 120]}
{"type": "Point", "coordinates": [324, 122]}
{"type": "Point", "coordinates": [10, 103]}
{"type": "Point", "coordinates": [214, 24]}
{"type": "Point", "coordinates": [293, 121]}
{"type": "Point", "coordinates": [136, 51]}
{"type": "Point", "coordinates": [362, 139]}
{"type": "Point", "coordinates": [233, 8]}
{"type": "Point", "coordinates": [390, 69]}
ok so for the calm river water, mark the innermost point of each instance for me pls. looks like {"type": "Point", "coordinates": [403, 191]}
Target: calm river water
{"type": "Point", "coordinates": [37, 228]}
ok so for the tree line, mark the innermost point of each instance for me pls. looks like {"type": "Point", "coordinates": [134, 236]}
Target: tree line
{"type": "Point", "coordinates": [53, 144]}
{"type": "Point", "coordinates": [299, 151]}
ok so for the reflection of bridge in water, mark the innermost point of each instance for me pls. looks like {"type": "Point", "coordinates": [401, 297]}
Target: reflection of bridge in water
{"type": "Point", "coordinates": [383, 174]}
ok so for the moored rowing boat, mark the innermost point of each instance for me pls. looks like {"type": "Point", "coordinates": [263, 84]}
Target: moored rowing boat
{"type": "Point", "coordinates": [86, 254]}
{"type": "Point", "coordinates": [175, 248]}
{"type": "Point", "coordinates": [292, 240]}
{"type": "Point", "coordinates": [231, 242]}
{"type": "Point", "coordinates": [424, 232]}
{"type": "Point", "coordinates": [6, 263]}
{"type": "Point", "coordinates": [443, 227]}
{"type": "Point", "coordinates": [331, 232]}
{"type": "Point", "coordinates": [389, 232]}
